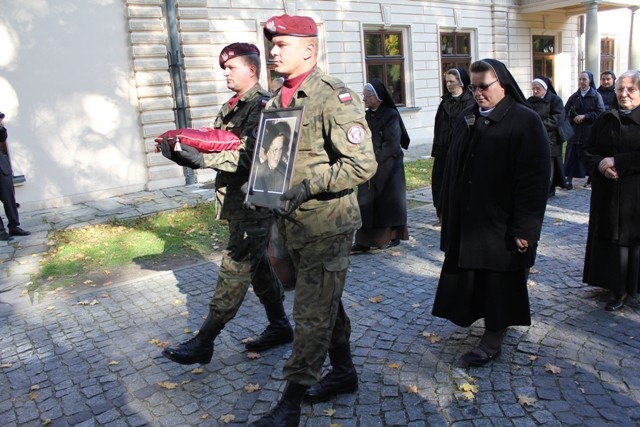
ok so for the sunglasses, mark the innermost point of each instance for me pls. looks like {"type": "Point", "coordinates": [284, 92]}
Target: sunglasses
{"type": "Point", "coordinates": [481, 86]}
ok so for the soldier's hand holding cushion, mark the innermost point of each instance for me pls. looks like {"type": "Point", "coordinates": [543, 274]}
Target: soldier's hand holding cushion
{"type": "Point", "coordinates": [189, 156]}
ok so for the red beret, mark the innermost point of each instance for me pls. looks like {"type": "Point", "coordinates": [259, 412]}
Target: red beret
{"type": "Point", "coordinates": [237, 49]}
{"type": "Point", "coordinates": [286, 25]}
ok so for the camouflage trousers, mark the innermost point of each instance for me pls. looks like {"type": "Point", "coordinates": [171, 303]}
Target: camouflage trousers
{"type": "Point", "coordinates": [321, 322]}
{"type": "Point", "coordinates": [245, 262]}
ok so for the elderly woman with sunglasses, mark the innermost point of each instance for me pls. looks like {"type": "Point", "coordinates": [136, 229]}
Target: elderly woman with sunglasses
{"type": "Point", "coordinates": [493, 200]}
{"type": "Point", "coordinates": [612, 156]}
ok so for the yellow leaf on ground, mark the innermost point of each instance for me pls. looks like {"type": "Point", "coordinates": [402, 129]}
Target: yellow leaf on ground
{"type": "Point", "coordinates": [533, 357]}
{"type": "Point", "coordinates": [183, 382]}
{"type": "Point", "coordinates": [184, 313]}
{"type": "Point", "coordinates": [186, 330]}
{"type": "Point", "coordinates": [113, 363]}
{"type": "Point", "coordinates": [85, 302]}
{"type": "Point", "coordinates": [33, 395]}
{"type": "Point", "coordinates": [204, 416]}
{"type": "Point", "coordinates": [250, 388]}
{"type": "Point", "coordinates": [526, 401]}
{"type": "Point", "coordinates": [329, 412]}
{"type": "Point", "coordinates": [393, 366]}
{"type": "Point", "coordinates": [412, 389]}
{"type": "Point", "coordinates": [433, 338]}
{"type": "Point", "coordinates": [34, 387]}
{"type": "Point", "coordinates": [50, 307]}
{"type": "Point", "coordinates": [557, 220]}
{"type": "Point", "coordinates": [177, 302]}
{"type": "Point", "coordinates": [6, 365]}
{"type": "Point", "coordinates": [168, 385]}
{"type": "Point", "coordinates": [531, 283]}
{"type": "Point", "coordinates": [227, 418]}
{"type": "Point", "coordinates": [375, 299]}
{"type": "Point", "coordinates": [552, 368]}
{"type": "Point", "coordinates": [466, 387]}
{"type": "Point", "coordinates": [154, 341]}
{"type": "Point", "coordinates": [196, 371]}
{"type": "Point", "coordinates": [88, 282]}
{"type": "Point", "coordinates": [335, 425]}
{"type": "Point", "coordinates": [253, 355]}
{"type": "Point", "coordinates": [46, 422]}
{"type": "Point", "coordinates": [94, 302]}
{"type": "Point", "coordinates": [468, 395]}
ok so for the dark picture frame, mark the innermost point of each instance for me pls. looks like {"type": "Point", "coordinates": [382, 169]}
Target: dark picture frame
{"type": "Point", "coordinates": [274, 156]}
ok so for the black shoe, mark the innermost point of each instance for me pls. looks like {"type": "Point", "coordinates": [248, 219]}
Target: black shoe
{"type": "Point", "coordinates": [391, 244]}
{"type": "Point", "coordinates": [615, 304]}
{"type": "Point", "coordinates": [273, 336]}
{"type": "Point", "coordinates": [480, 356]}
{"type": "Point", "coordinates": [287, 412]}
{"type": "Point", "coordinates": [359, 248]}
{"type": "Point", "coordinates": [195, 350]}
{"type": "Point", "coordinates": [332, 384]}
{"type": "Point", "coordinates": [4, 236]}
{"type": "Point", "coordinates": [17, 231]}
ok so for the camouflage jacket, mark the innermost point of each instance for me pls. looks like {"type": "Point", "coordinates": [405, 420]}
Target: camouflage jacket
{"type": "Point", "coordinates": [233, 167]}
{"type": "Point", "coordinates": [334, 153]}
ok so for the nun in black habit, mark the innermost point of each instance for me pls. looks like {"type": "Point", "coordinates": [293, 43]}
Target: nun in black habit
{"type": "Point", "coordinates": [493, 201]}
{"type": "Point", "coordinates": [383, 199]}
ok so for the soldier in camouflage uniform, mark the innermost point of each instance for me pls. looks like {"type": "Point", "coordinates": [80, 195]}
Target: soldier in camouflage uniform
{"type": "Point", "coordinates": [245, 259]}
{"type": "Point", "coordinates": [335, 153]}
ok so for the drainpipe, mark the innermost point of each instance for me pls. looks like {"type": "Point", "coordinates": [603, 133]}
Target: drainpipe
{"type": "Point", "coordinates": [177, 79]}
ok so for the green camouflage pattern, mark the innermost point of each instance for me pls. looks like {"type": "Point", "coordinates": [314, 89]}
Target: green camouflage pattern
{"type": "Point", "coordinates": [233, 167]}
{"type": "Point", "coordinates": [335, 153]}
{"type": "Point", "coordinates": [245, 262]}
{"type": "Point", "coordinates": [327, 158]}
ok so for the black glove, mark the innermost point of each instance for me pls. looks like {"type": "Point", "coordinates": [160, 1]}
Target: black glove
{"type": "Point", "coordinates": [189, 157]}
{"type": "Point", "coordinates": [296, 195]}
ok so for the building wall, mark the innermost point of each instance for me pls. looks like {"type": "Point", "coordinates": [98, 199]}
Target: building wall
{"type": "Point", "coordinates": [86, 86]}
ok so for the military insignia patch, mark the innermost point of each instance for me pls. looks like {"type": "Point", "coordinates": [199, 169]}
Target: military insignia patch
{"type": "Point", "coordinates": [345, 97]}
{"type": "Point", "coordinates": [224, 56]}
{"type": "Point", "coordinates": [356, 134]}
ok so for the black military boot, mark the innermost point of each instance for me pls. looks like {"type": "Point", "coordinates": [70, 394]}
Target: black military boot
{"type": "Point", "coordinates": [287, 412]}
{"type": "Point", "coordinates": [341, 379]}
{"type": "Point", "coordinates": [198, 349]}
{"type": "Point", "coordinates": [278, 332]}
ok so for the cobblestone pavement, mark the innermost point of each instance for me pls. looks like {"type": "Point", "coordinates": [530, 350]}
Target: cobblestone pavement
{"type": "Point", "coordinates": [93, 359]}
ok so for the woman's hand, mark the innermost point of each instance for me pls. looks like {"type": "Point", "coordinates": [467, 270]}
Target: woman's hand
{"type": "Point", "coordinates": [522, 244]}
{"type": "Point", "coordinates": [607, 167]}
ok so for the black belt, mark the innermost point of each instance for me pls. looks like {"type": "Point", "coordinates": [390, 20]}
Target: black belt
{"type": "Point", "coordinates": [331, 196]}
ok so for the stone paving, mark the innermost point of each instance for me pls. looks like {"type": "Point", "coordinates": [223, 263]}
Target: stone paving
{"type": "Point", "coordinates": [94, 359]}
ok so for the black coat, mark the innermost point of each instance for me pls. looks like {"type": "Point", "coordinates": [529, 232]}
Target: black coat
{"type": "Point", "coordinates": [615, 205]}
{"type": "Point", "coordinates": [495, 188]}
{"type": "Point", "coordinates": [383, 199]}
{"type": "Point", "coordinates": [591, 105]}
{"type": "Point", "coordinates": [551, 111]}
{"type": "Point", "coordinates": [448, 111]}
{"type": "Point", "coordinates": [609, 97]}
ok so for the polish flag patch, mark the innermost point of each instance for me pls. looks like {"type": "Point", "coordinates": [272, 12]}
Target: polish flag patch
{"type": "Point", "coordinates": [345, 97]}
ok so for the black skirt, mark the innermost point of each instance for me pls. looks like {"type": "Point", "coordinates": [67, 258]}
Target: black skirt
{"type": "Point", "coordinates": [612, 266]}
{"type": "Point", "coordinates": [464, 296]}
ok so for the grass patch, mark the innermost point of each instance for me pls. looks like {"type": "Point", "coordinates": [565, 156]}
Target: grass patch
{"type": "Point", "coordinates": [418, 173]}
{"type": "Point", "coordinates": [92, 255]}
{"type": "Point", "coordinates": [191, 232]}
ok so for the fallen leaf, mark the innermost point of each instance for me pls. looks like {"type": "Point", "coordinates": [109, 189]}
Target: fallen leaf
{"type": "Point", "coordinates": [533, 271]}
{"type": "Point", "coordinates": [552, 368]}
{"type": "Point", "coordinates": [204, 416]}
{"type": "Point", "coordinates": [197, 371]}
{"type": "Point", "coordinates": [94, 302]}
{"type": "Point", "coordinates": [433, 338]}
{"type": "Point", "coordinates": [415, 305]}
{"type": "Point", "coordinates": [33, 395]}
{"type": "Point", "coordinates": [168, 385]}
{"type": "Point", "coordinates": [466, 387]}
{"type": "Point", "coordinates": [154, 341]}
{"type": "Point", "coordinates": [87, 282]}
{"type": "Point", "coordinates": [557, 220]}
{"type": "Point", "coordinates": [178, 302]}
{"type": "Point", "coordinates": [184, 313]}
{"type": "Point", "coordinates": [183, 382]}
{"type": "Point", "coordinates": [46, 422]}
{"type": "Point", "coordinates": [468, 395]}
{"type": "Point", "coordinates": [412, 389]}
{"type": "Point", "coordinates": [375, 299]}
{"type": "Point", "coordinates": [227, 418]}
{"type": "Point", "coordinates": [250, 388]}
{"type": "Point", "coordinates": [393, 366]}
{"type": "Point", "coordinates": [329, 412]}
{"type": "Point", "coordinates": [335, 425]}
{"type": "Point", "coordinates": [531, 283]}
{"type": "Point", "coordinates": [106, 272]}
{"type": "Point", "coordinates": [85, 302]}
{"type": "Point", "coordinates": [163, 344]}
{"type": "Point", "coordinates": [113, 363]}
{"type": "Point", "coordinates": [253, 355]}
{"type": "Point", "coordinates": [6, 365]}
{"type": "Point", "coordinates": [533, 357]}
{"type": "Point", "coordinates": [526, 401]}
{"type": "Point", "coordinates": [186, 330]}
{"type": "Point", "coordinates": [50, 307]}
{"type": "Point", "coordinates": [34, 387]}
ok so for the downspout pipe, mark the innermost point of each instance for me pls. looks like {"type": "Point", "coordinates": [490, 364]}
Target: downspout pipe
{"type": "Point", "coordinates": [177, 79]}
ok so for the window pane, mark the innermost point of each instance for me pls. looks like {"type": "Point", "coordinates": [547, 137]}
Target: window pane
{"type": "Point", "coordinates": [373, 45]}
{"type": "Point", "coordinates": [537, 67]}
{"type": "Point", "coordinates": [374, 72]}
{"type": "Point", "coordinates": [392, 45]}
{"type": "Point", "coordinates": [543, 44]}
{"type": "Point", "coordinates": [394, 84]}
{"type": "Point", "coordinates": [446, 45]}
{"type": "Point", "coordinates": [462, 44]}
{"type": "Point", "coordinates": [548, 68]}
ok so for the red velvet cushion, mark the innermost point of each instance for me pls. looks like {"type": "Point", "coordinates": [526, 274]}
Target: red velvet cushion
{"type": "Point", "coordinates": [205, 140]}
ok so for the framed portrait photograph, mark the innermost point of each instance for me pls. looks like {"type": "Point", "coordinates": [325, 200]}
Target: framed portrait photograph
{"type": "Point", "coordinates": [274, 156]}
